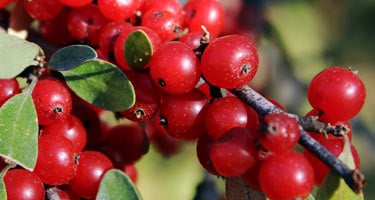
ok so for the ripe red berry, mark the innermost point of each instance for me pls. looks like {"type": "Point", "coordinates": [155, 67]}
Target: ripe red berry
{"type": "Point", "coordinates": [175, 68]}
{"type": "Point", "coordinates": [56, 163]}
{"type": "Point", "coordinates": [208, 13]}
{"type": "Point", "coordinates": [281, 133]}
{"type": "Point", "coordinates": [338, 92]}
{"type": "Point", "coordinates": [203, 148]}
{"type": "Point", "coordinates": [108, 36]}
{"type": "Point", "coordinates": [172, 6]}
{"type": "Point", "coordinates": [43, 10]}
{"type": "Point", "coordinates": [234, 153]}
{"type": "Point", "coordinates": [52, 100]}
{"type": "Point", "coordinates": [183, 115]}
{"type": "Point", "coordinates": [286, 176]}
{"type": "Point", "coordinates": [236, 65]}
{"type": "Point", "coordinates": [5, 3]}
{"type": "Point", "coordinates": [91, 168]}
{"type": "Point", "coordinates": [227, 113]}
{"type": "Point", "coordinates": [8, 88]}
{"type": "Point", "coordinates": [116, 10]}
{"type": "Point", "coordinates": [129, 140]}
{"type": "Point", "coordinates": [163, 23]}
{"type": "Point", "coordinates": [85, 23]}
{"type": "Point", "coordinates": [71, 128]}
{"type": "Point", "coordinates": [21, 184]}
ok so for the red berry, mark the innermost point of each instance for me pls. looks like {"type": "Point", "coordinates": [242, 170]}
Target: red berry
{"type": "Point", "coordinates": [52, 100]}
{"type": "Point", "coordinates": [183, 115]}
{"type": "Point", "coordinates": [91, 168]}
{"type": "Point", "coordinates": [163, 23]}
{"type": "Point", "coordinates": [251, 176]}
{"type": "Point", "coordinates": [227, 113]}
{"type": "Point", "coordinates": [234, 153]}
{"type": "Point", "coordinates": [208, 13]}
{"type": "Point", "coordinates": [21, 184]}
{"type": "Point", "coordinates": [56, 163]}
{"type": "Point", "coordinates": [118, 9]}
{"type": "Point", "coordinates": [338, 92]}
{"type": "Point", "coordinates": [130, 140]}
{"type": "Point", "coordinates": [85, 23]}
{"type": "Point", "coordinates": [71, 128]}
{"type": "Point", "coordinates": [43, 10]}
{"type": "Point", "coordinates": [286, 176]}
{"type": "Point", "coordinates": [203, 148]}
{"type": "Point", "coordinates": [172, 6]}
{"type": "Point", "coordinates": [175, 68]}
{"type": "Point", "coordinates": [281, 133]}
{"type": "Point", "coordinates": [8, 88]}
{"type": "Point", "coordinates": [5, 3]}
{"type": "Point", "coordinates": [236, 65]}
{"type": "Point", "coordinates": [108, 36]}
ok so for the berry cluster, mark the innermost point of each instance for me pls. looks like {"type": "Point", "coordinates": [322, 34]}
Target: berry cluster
{"type": "Point", "coordinates": [182, 94]}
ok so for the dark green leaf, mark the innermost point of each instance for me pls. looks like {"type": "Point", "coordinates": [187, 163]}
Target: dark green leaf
{"type": "Point", "coordinates": [334, 187]}
{"type": "Point", "coordinates": [116, 185]}
{"type": "Point", "coordinates": [15, 55]}
{"type": "Point", "coordinates": [102, 84]}
{"type": "Point", "coordinates": [138, 49]}
{"type": "Point", "coordinates": [71, 56]}
{"type": "Point", "coordinates": [19, 131]}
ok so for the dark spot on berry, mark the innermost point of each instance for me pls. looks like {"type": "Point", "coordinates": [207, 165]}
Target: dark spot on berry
{"type": "Point", "coordinates": [163, 121]}
{"type": "Point", "coordinates": [162, 82]}
{"type": "Point", "coordinates": [139, 113]}
{"type": "Point", "coordinates": [245, 69]}
{"type": "Point", "coordinates": [58, 110]}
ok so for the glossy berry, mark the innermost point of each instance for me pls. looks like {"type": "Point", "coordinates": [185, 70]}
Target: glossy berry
{"type": "Point", "coordinates": [208, 13]}
{"type": "Point", "coordinates": [71, 128]}
{"type": "Point", "coordinates": [85, 23]}
{"type": "Point", "coordinates": [234, 153]}
{"type": "Point", "coordinates": [227, 113]}
{"type": "Point", "coordinates": [129, 140]}
{"type": "Point", "coordinates": [56, 163]}
{"type": "Point", "coordinates": [338, 92]}
{"type": "Point", "coordinates": [280, 134]}
{"type": "Point", "coordinates": [8, 88]}
{"type": "Point", "coordinates": [285, 177]}
{"type": "Point", "coordinates": [250, 177]}
{"type": "Point", "coordinates": [236, 65]}
{"type": "Point", "coordinates": [21, 184]}
{"type": "Point", "coordinates": [175, 68]}
{"type": "Point", "coordinates": [118, 9]}
{"type": "Point", "coordinates": [120, 42]}
{"type": "Point", "coordinates": [74, 3]}
{"type": "Point", "coordinates": [43, 10]}
{"type": "Point", "coordinates": [91, 168]}
{"type": "Point", "coordinates": [52, 100]}
{"type": "Point", "coordinates": [163, 23]}
{"type": "Point", "coordinates": [108, 36]}
{"type": "Point", "coordinates": [147, 101]}
{"type": "Point", "coordinates": [183, 115]}
{"type": "Point", "coordinates": [172, 6]}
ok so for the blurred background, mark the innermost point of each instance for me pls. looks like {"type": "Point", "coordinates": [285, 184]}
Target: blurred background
{"type": "Point", "coordinates": [296, 39]}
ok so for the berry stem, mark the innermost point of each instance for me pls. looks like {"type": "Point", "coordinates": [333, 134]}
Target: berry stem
{"type": "Point", "coordinates": [354, 178]}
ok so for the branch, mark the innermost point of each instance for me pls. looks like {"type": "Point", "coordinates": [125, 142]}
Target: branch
{"type": "Point", "coordinates": [354, 178]}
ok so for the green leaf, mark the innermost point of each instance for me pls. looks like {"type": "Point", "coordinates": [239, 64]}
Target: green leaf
{"type": "Point", "coordinates": [15, 55]}
{"type": "Point", "coordinates": [102, 84]}
{"type": "Point", "coordinates": [3, 192]}
{"type": "Point", "coordinates": [71, 56]}
{"type": "Point", "coordinates": [116, 185]}
{"type": "Point", "coordinates": [19, 130]}
{"type": "Point", "coordinates": [334, 187]}
{"type": "Point", "coordinates": [138, 50]}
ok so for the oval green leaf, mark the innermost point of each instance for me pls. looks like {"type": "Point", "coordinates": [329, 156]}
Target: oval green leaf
{"type": "Point", "coordinates": [334, 187]}
{"type": "Point", "coordinates": [19, 130]}
{"type": "Point", "coordinates": [101, 83]}
{"type": "Point", "coordinates": [116, 185]}
{"type": "Point", "coordinates": [71, 56]}
{"type": "Point", "coordinates": [15, 55]}
{"type": "Point", "coordinates": [138, 50]}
